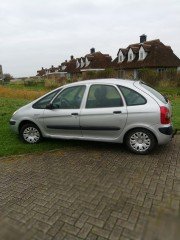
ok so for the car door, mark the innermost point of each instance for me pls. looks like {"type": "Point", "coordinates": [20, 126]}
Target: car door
{"type": "Point", "coordinates": [104, 114]}
{"type": "Point", "coordinates": [62, 120]}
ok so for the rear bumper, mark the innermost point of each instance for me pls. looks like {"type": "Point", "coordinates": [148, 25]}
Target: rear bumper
{"type": "Point", "coordinates": [166, 130]}
{"type": "Point", "coordinates": [163, 133]}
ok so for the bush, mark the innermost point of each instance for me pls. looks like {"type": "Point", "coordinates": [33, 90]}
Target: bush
{"type": "Point", "coordinates": [51, 83]}
{"type": "Point", "coordinates": [169, 78]}
{"type": "Point", "coordinates": [107, 73]}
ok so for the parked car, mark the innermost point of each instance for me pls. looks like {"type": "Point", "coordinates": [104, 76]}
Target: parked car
{"type": "Point", "coordinates": [108, 110]}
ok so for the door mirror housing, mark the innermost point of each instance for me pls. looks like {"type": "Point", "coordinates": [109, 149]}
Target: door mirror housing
{"type": "Point", "coordinates": [49, 106]}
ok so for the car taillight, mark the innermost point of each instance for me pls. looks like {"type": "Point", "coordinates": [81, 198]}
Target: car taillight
{"type": "Point", "coordinates": [165, 115]}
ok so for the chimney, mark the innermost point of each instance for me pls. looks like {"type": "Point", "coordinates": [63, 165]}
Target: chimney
{"type": "Point", "coordinates": [92, 50]}
{"type": "Point", "coordinates": [143, 38]}
{"type": "Point", "coordinates": [72, 57]}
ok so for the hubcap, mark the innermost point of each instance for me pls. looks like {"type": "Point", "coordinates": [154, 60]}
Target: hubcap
{"type": "Point", "coordinates": [140, 141]}
{"type": "Point", "coordinates": [31, 135]}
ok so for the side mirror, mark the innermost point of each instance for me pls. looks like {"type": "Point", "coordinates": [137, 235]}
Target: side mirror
{"type": "Point", "coordinates": [49, 106]}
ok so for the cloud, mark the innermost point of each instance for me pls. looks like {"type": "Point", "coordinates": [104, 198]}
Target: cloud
{"type": "Point", "coordinates": [41, 33]}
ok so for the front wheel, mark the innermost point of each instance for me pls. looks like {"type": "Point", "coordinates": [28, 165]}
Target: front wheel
{"type": "Point", "coordinates": [140, 141]}
{"type": "Point", "coordinates": [30, 133]}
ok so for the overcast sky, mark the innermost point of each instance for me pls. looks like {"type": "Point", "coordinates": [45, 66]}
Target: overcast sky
{"type": "Point", "coordinates": [36, 33]}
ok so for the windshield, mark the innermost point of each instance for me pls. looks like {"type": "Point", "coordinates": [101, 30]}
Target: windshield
{"type": "Point", "coordinates": [155, 93]}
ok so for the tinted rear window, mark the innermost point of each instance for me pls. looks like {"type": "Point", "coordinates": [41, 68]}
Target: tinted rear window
{"type": "Point", "coordinates": [132, 97]}
{"type": "Point", "coordinates": [155, 93]}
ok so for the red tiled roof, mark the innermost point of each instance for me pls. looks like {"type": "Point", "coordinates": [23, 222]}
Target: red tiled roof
{"type": "Point", "coordinates": [158, 55]}
{"type": "Point", "coordinates": [98, 60]}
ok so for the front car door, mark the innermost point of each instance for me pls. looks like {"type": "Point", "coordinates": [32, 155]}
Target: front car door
{"type": "Point", "coordinates": [104, 114]}
{"type": "Point", "coordinates": [63, 119]}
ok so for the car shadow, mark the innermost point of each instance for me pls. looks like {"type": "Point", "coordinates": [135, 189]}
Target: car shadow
{"type": "Point", "coordinates": [101, 146]}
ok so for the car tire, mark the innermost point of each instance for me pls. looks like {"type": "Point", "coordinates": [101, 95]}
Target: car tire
{"type": "Point", "coordinates": [30, 133]}
{"type": "Point", "coordinates": [140, 141]}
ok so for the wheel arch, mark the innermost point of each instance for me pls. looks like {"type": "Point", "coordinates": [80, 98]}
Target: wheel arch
{"type": "Point", "coordinates": [138, 128]}
{"type": "Point", "coordinates": [23, 122]}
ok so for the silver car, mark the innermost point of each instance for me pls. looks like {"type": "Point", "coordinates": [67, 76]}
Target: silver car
{"type": "Point", "coordinates": [108, 110]}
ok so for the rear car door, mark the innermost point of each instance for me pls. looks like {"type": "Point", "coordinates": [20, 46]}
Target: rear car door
{"type": "Point", "coordinates": [63, 119]}
{"type": "Point", "coordinates": [104, 114]}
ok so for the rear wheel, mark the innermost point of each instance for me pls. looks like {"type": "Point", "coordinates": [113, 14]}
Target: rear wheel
{"type": "Point", "coordinates": [140, 141]}
{"type": "Point", "coordinates": [30, 133]}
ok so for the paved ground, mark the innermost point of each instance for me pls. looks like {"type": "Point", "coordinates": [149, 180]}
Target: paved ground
{"type": "Point", "coordinates": [94, 191]}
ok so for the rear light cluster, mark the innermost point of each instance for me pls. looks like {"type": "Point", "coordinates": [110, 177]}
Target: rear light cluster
{"type": "Point", "coordinates": [165, 115]}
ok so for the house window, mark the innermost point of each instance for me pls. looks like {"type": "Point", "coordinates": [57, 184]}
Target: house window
{"type": "Point", "coordinates": [130, 57]}
{"type": "Point", "coordinates": [141, 55]}
{"type": "Point", "coordinates": [161, 70]}
{"type": "Point", "coordinates": [121, 74]}
{"type": "Point", "coordinates": [120, 58]}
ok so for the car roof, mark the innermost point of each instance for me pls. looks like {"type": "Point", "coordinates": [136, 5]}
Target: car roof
{"type": "Point", "coordinates": [123, 82]}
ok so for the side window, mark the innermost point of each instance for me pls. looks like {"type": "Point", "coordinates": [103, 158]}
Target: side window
{"type": "Point", "coordinates": [69, 98]}
{"type": "Point", "coordinates": [132, 97]}
{"type": "Point", "coordinates": [103, 96]}
{"type": "Point", "coordinates": [41, 104]}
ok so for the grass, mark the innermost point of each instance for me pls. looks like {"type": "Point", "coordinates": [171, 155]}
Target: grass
{"type": "Point", "coordinates": [36, 87]}
{"type": "Point", "coordinates": [176, 112]}
{"type": "Point", "coordinates": [10, 143]}
{"type": "Point", "coordinates": [12, 100]}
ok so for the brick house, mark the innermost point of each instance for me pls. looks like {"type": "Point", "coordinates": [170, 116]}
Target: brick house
{"type": "Point", "coordinates": [93, 61]}
{"type": "Point", "coordinates": [145, 54]}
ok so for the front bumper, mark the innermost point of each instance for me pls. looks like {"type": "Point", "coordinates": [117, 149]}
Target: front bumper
{"type": "Point", "coordinates": [13, 125]}
{"type": "Point", "coordinates": [12, 122]}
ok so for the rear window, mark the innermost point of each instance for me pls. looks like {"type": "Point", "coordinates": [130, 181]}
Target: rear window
{"type": "Point", "coordinates": [155, 93]}
{"type": "Point", "coordinates": [132, 97]}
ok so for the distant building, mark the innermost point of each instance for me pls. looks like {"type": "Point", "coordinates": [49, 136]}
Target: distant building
{"type": "Point", "coordinates": [145, 54]}
{"type": "Point", "coordinates": [129, 62]}
{"type": "Point", "coordinates": [93, 61]}
{"type": "Point", "coordinates": [1, 72]}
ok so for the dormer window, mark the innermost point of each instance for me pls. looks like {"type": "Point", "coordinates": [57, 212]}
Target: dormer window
{"type": "Point", "coordinates": [82, 63]}
{"type": "Point", "coordinates": [120, 57]}
{"type": "Point", "coordinates": [77, 64]}
{"type": "Point", "coordinates": [130, 55]}
{"type": "Point", "coordinates": [63, 67]}
{"type": "Point", "coordinates": [87, 62]}
{"type": "Point", "coordinates": [142, 53]}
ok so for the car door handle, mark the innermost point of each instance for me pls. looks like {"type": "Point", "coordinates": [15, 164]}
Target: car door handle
{"type": "Point", "coordinates": [74, 114]}
{"type": "Point", "coordinates": [117, 112]}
